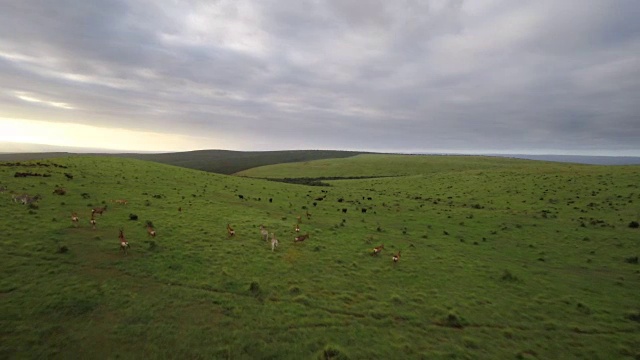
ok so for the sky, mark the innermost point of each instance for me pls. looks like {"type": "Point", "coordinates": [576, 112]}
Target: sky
{"type": "Point", "coordinates": [454, 76]}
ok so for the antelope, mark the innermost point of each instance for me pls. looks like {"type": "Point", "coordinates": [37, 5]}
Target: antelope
{"type": "Point", "coordinates": [151, 231]}
{"type": "Point", "coordinates": [230, 230]}
{"type": "Point", "coordinates": [124, 244]}
{"type": "Point", "coordinates": [99, 210]}
{"type": "Point", "coordinates": [298, 218]}
{"type": "Point", "coordinates": [301, 238]}
{"type": "Point", "coordinates": [121, 202]}
{"type": "Point", "coordinates": [19, 198]}
{"type": "Point", "coordinates": [377, 250]}
{"type": "Point", "coordinates": [74, 219]}
{"type": "Point", "coordinates": [396, 257]}
{"type": "Point", "coordinates": [308, 214]}
{"type": "Point", "coordinates": [264, 233]}
{"type": "Point", "coordinates": [274, 242]}
{"type": "Point", "coordinates": [297, 229]}
{"type": "Point", "coordinates": [93, 222]}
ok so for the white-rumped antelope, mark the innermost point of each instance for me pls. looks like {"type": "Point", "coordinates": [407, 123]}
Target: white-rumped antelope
{"type": "Point", "coordinates": [377, 250]}
{"type": "Point", "coordinates": [230, 230]}
{"type": "Point", "coordinates": [124, 244]}
{"type": "Point", "coordinates": [74, 219]}
{"type": "Point", "coordinates": [301, 238]}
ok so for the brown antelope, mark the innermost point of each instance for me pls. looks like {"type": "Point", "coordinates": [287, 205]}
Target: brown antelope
{"type": "Point", "coordinates": [124, 244]}
{"type": "Point", "coordinates": [230, 230]}
{"type": "Point", "coordinates": [297, 229]}
{"type": "Point", "coordinates": [264, 234]}
{"type": "Point", "coordinates": [151, 231]}
{"type": "Point", "coordinates": [74, 219]}
{"type": "Point", "coordinates": [99, 210]}
{"type": "Point", "coordinates": [377, 250]}
{"type": "Point", "coordinates": [93, 222]}
{"type": "Point", "coordinates": [274, 242]}
{"type": "Point", "coordinates": [301, 238]}
{"type": "Point", "coordinates": [396, 257]}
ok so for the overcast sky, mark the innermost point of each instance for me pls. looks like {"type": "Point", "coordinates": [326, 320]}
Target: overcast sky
{"type": "Point", "coordinates": [539, 76]}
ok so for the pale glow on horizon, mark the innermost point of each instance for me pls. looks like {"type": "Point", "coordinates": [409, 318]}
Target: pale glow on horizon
{"type": "Point", "coordinates": [87, 136]}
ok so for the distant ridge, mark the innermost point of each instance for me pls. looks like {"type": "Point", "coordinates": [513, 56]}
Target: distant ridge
{"type": "Point", "coordinates": [578, 159]}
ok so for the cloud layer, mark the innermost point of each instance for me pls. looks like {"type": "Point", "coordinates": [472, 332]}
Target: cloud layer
{"type": "Point", "coordinates": [467, 76]}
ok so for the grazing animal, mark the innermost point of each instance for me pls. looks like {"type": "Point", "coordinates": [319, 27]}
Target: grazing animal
{"type": "Point", "coordinates": [18, 198]}
{"type": "Point", "coordinates": [230, 230]}
{"type": "Point", "coordinates": [264, 234]}
{"type": "Point", "coordinates": [121, 202]}
{"type": "Point", "coordinates": [308, 215]}
{"type": "Point", "coordinates": [99, 210]}
{"type": "Point", "coordinates": [151, 231]}
{"type": "Point", "coordinates": [396, 257]}
{"type": "Point", "coordinates": [74, 219]}
{"type": "Point", "coordinates": [93, 222]}
{"type": "Point", "coordinates": [297, 229]}
{"type": "Point", "coordinates": [377, 250]}
{"type": "Point", "coordinates": [301, 238]}
{"type": "Point", "coordinates": [28, 200]}
{"type": "Point", "coordinates": [124, 244]}
{"type": "Point", "coordinates": [274, 242]}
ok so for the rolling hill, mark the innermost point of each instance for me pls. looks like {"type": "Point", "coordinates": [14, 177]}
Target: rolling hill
{"type": "Point", "coordinates": [499, 258]}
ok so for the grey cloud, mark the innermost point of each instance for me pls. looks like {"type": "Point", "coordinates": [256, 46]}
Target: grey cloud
{"type": "Point", "coordinates": [335, 74]}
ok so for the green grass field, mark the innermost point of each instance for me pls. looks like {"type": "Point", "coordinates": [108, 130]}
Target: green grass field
{"type": "Point", "coordinates": [500, 259]}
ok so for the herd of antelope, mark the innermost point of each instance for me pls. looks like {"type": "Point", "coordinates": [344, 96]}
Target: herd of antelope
{"type": "Point", "coordinates": [151, 231]}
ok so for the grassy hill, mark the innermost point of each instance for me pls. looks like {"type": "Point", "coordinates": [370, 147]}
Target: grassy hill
{"type": "Point", "coordinates": [500, 258]}
{"type": "Point", "coordinates": [216, 161]}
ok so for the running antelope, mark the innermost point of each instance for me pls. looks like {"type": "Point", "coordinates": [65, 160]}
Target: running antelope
{"type": "Point", "coordinates": [151, 231]}
{"type": "Point", "coordinates": [99, 210]}
{"type": "Point", "coordinates": [396, 257]}
{"type": "Point", "coordinates": [74, 219]}
{"type": "Point", "coordinates": [274, 242]}
{"type": "Point", "coordinates": [230, 230]}
{"type": "Point", "coordinates": [264, 234]}
{"type": "Point", "coordinates": [124, 244]}
{"type": "Point", "coordinates": [301, 238]}
{"type": "Point", "coordinates": [377, 250]}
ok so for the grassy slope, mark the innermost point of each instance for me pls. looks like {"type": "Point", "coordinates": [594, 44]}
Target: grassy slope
{"type": "Point", "coordinates": [496, 262]}
{"type": "Point", "coordinates": [216, 161]}
{"type": "Point", "coordinates": [229, 162]}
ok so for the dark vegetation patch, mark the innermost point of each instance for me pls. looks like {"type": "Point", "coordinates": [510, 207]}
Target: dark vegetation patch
{"type": "Point", "coordinates": [318, 181]}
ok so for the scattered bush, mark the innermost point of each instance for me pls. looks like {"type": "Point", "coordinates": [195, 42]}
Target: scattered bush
{"type": "Point", "coordinates": [634, 225]}
{"type": "Point", "coordinates": [133, 217]}
{"type": "Point", "coordinates": [632, 260]}
{"type": "Point", "coordinates": [63, 249]}
{"type": "Point", "coordinates": [332, 352]}
{"type": "Point", "coordinates": [508, 276]}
